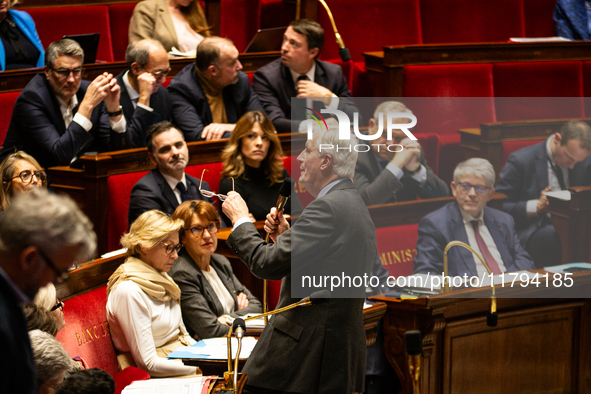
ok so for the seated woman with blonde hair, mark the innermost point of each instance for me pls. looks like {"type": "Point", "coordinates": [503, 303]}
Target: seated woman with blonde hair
{"type": "Point", "coordinates": [209, 289]}
{"type": "Point", "coordinates": [143, 308]}
{"type": "Point", "coordinates": [253, 158]}
{"type": "Point", "coordinates": [20, 173]}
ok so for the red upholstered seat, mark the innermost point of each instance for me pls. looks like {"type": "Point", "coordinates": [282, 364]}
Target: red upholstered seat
{"type": "Point", "coordinates": [127, 376]}
{"type": "Point", "coordinates": [558, 87]}
{"type": "Point", "coordinates": [53, 23]}
{"type": "Point", "coordinates": [275, 13]}
{"type": "Point", "coordinates": [238, 22]}
{"type": "Point", "coordinates": [7, 101]}
{"type": "Point", "coordinates": [369, 25]}
{"type": "Point", "coordinates": [274, 288]}
{"type": "Point", "coordinates": [359, 85]}
{"type": "Point", "coordinates": [347, 69]}
{"type": "Point", "coordinates": [512, 146]}
{"type": "Point", "coordinates": [539, 18]}
{"type": "Point", "coordinates": [396, 247]}
{"type": "Point", "coordinates": [120, 14]}
{"type": "Point", "coordinates": [119, 193]}
{"type": "Point", "coordinates": [446, 21]}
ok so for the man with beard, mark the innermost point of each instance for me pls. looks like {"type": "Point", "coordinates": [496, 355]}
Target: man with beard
{"type": "Point", "coordinates": [167, 186]}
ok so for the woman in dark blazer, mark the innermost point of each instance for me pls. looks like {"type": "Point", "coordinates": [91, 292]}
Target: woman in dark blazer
{"type": "Point", "coordinates": [210, 292]}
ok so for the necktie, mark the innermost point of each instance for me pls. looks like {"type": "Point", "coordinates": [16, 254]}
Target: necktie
{"type": "Point", "coordinates": [558, 172]}
{"type": "Point", "coordinates": [183, 190]}
{"type": "Point", "coordinates": [490, 261]}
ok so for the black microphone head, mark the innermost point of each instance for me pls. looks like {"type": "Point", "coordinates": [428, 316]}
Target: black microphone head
{"type": "Point", "coordinates": [238, 322]}
{"type": "Point", "coordinates": [285, 190]}
{"type": "Point", "coordinates": [318, 297]}
{"type": "Point", "coordinates": [344, 53]}
{"type": "Point", "coordinates": [492, 319]}
{"type": "Point", "coordinates": [414, 343]}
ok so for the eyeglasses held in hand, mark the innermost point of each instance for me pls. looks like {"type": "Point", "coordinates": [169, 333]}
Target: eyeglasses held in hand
{"type": "Point", "coordinates": [466, 187]}
{"type": "Point", "coordinates": [209, 193]}
{"type": "Point", "coordinates": [172, 247]}
{"type": "Point", "coordinates": [27, 176]}
{"type": "Point", "coordinates": [197, 231]}
{"type": "Point", "coordinates": [65, 72]}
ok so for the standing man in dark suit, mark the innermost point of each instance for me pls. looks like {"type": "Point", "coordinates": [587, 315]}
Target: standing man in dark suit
{"type": "Point", "coordinates": [58, 117]}
{"type": "Point", "coordinates": [321, 348]}
{"type": "Point", "coordinates": [143, 98]}
{"type": "Point", "coordinates": [388, 174]}
{"type": "Point", "coordinates": [299, 73]}
{"type": "Point", "coordinates": [41, 236]}
{"type": "Point", "coordinates": [167, 186]}
{"type": "Point", "coordinates": [555, 164]}
{"type": "Point", "coordinates": [488, 231]}
{"type": "Point", "coordinates": [209, 97]}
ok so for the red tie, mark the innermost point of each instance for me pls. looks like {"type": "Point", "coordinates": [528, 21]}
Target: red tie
{"type": "Point", "coordinates": [492, 264]}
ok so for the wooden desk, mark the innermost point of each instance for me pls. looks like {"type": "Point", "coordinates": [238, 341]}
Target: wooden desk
{"type": "Point", "coordinates": [487, 141]}
{"type": "Point", "coordinates": [539, 345]}
{"type": "Point", "coordinates": [385, 69]}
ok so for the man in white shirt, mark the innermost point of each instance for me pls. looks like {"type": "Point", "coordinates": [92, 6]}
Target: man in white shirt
{"type": "Point", "coordinates": [167, 186]}
{"type": "Point", "coordinates": [299, 73]}
{"type": "Point", "coordinates": [58, 116]}
{"type": "Point", "coordinates": [143, 98]}
{"type": "Point", "coordinates": [491, 233]}
{"type": "Point", "coordinates": [558, 163]}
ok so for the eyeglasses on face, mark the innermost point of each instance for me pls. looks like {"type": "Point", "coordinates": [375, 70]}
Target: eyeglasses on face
{"type": "Point", "coordinates": [64, 73]}
{"type": "Point", "coordinates": [159, 73]}
{"type": "Point", "coordinates": [172, 247]}
{"type": "Point", "coordinates": [27, 176]}
{"type": "Point", "coordinates": [59, 305]}
{"type": "Point", "coordinates": [60, 274]}
{"type": "Point", "coordinates": [197, 231]}
{"type": "Point", "coordinates": [209, 193]}
{"type": "Point", "coordinates": [466, 187]}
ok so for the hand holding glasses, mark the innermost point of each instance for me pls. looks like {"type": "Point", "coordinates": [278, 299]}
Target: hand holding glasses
{"type": "Point", "coordinates": [210, 194]}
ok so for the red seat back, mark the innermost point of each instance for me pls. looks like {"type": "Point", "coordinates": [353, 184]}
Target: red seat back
{"type": "Point", "coordinates": [397, 248]}
{"type": "Point", "coordinates": [513, 146]}
{"type": "Point", "coordinates": [87, 333]}
{"type": "Point", "coordinates": [7, 101]}
{"type": "Point", "coordinates": [539, 18]}
{"type": "Point", "coordinates": [119, 193]}
{"type": "Point", "coordinates": [120, 15]}
{"type": "Point", "coordinates": [53, 23]}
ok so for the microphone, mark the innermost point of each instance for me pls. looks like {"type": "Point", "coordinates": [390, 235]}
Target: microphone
{"type": "Point", "coordinates": [239, 327]}
{"type": "Point", "coordinates": [414, 350]}
{"type": "Point", "coordinates": [343, 51]}
{"type": "Point", "coordinates": [230, 377]}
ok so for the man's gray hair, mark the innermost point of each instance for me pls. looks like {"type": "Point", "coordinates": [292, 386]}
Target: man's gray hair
{"type": "Point", "coordinates": [477, 167]}
{"type": "Point", "coordinates": [390, 106]}
{"type": "Point", "coordinates": [62, 47]}
{"type": "Point", "coordinates": [48, 221]}
{"type": "Point", "coordinates": [343, 153]}
{"type": "Point", "coordinates": [139, 52]}
{"type": "Point", "coordinates": [50, 357]}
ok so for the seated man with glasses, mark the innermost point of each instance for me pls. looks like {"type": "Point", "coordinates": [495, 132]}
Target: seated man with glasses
{"type": "Point", "coordinates": [167, 186]}
{"type": "Point", "coordinates": [58, 117]}
{"type": "Point", "coordinates": [143, 99]}
{"type": "Point", "coordinates": [491, 233]}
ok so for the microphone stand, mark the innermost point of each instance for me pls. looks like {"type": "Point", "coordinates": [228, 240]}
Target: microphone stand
{"type": "Point", "coordinates": [492, 316]}
{"type": "Point", "coordinates": [343, 51]}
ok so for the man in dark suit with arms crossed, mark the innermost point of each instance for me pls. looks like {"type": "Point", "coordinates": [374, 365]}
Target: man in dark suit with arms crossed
{"type": "Point", "coordinates": [320, 348]}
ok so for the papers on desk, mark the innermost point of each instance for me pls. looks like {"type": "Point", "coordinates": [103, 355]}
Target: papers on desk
{"type": "Point", "coordinates": [214, 349]}
{"type": "Point", "coordinates": [568, 268]}
{"type": "Point", "coordinates": [559, 194]}
{"type": "Point", "coordinates": [258, 324]}
{"type": "Point", "coordinates": [538, 39]}
{"type": "Point", "coordinates": [196, 385]}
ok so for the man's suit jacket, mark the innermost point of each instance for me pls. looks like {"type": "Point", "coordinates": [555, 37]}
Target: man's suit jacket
{"type": "Point", "coordinates": [153, 192]}
{"type": "Point", "coordinates": [524, 177]}
{"type": "Point", "coordinates": [381, 186]}
{"type": "Point", "coordinates": [320, 348]}
{"type": "Point", "coordinates": [570, 17]}
{"type": "Point", "coordinates": [200, 304]}
{"type": "Point", "coordinates": [38, 128]}
{"type": "Point", "coordinates": [444, 225]}
{"type": "Point", "coordinates": [275, 87]}
{"type": "Point", "coordinates": [190, 108]}
{"type": "Point", "coordinates": [17, 369]}
{"type": "Point", "coordinates": [138, 119]}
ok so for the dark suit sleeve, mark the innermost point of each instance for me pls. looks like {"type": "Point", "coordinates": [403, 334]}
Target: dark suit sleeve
{"type": "Point", "coordinates": [138, 125]}
{"type": "Point", "coordinates": [378, 191]}
{"type": "Point", "coordinates": [430, 247]}
{"type": "Point", "coordinates": [521, 258]}
{"type": "Point", "coordinates": [434, 186]}
{"type": "Point", "coordinates": [254, 305]}
{"type": "Point", "coordinates": [197, 315]}
{"type": "Point", "coordinates": [270, 101]}
{"type": "Point", "coordinates": [33, 119]}
{"type": "Point", "coordinates": [225, 187]}
{"type": "Point", "coordinates": [184, 112]}
{"type": "Point", "coordinates": [142, 199]}
{"type": "Point", "coordinates": [511, 184]}
{"type": "Point", "coordinates": [564, 27]}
